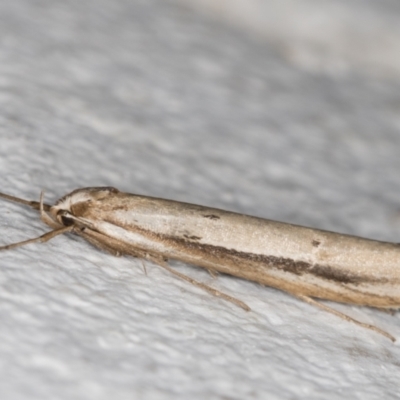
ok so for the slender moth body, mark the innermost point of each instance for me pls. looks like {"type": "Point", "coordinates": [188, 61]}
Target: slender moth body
{"type": "Point", "coordinates": [307, 263]}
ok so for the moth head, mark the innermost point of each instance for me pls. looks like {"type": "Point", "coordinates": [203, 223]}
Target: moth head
{"type": "Point", "coordinates": [77, 203]}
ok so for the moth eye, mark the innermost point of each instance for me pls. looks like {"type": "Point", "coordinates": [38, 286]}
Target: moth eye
{"type": "Point", "coordinates": [66, 221]}
{"type": "Point", "coordinates": [62, 217]}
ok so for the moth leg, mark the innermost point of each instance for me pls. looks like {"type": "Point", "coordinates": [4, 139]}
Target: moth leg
{"type": "Point", "coordinates": [144, 268]}
{"type": "Point", "coordinates": [43, 238]}
{"type": "Point", "coordinates": [324, 307]}
{"type": "Point", "coordinates": [390, 311]}
{"type": "Point", "coordinates": [212, 272]}
{"type": "Point", "coordinates": [116, 248]}
{"type": "Point", "coordinates": [201, 285]}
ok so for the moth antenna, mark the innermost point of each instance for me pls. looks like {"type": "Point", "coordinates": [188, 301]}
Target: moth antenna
{"type": "Point", "coordinates": [43, 238]}
{"type": "Point", "coordinates": [34, 204]}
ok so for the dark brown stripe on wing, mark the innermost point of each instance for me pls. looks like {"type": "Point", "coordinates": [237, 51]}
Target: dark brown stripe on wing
{"type": "Point", "coordinates": [281, 263]}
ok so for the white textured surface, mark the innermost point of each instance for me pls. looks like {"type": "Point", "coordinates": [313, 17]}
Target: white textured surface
{"type": "Point", "coordinates": [150, 98]}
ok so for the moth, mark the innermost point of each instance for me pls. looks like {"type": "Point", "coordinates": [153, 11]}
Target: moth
{"type": "Point", "coordinates": [307, 263]}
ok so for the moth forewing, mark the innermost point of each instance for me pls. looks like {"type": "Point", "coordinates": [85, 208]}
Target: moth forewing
{"type": "Point", "coordinates": [308, 263]}
{"type": "Point", "coordinates": [296, 259]}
